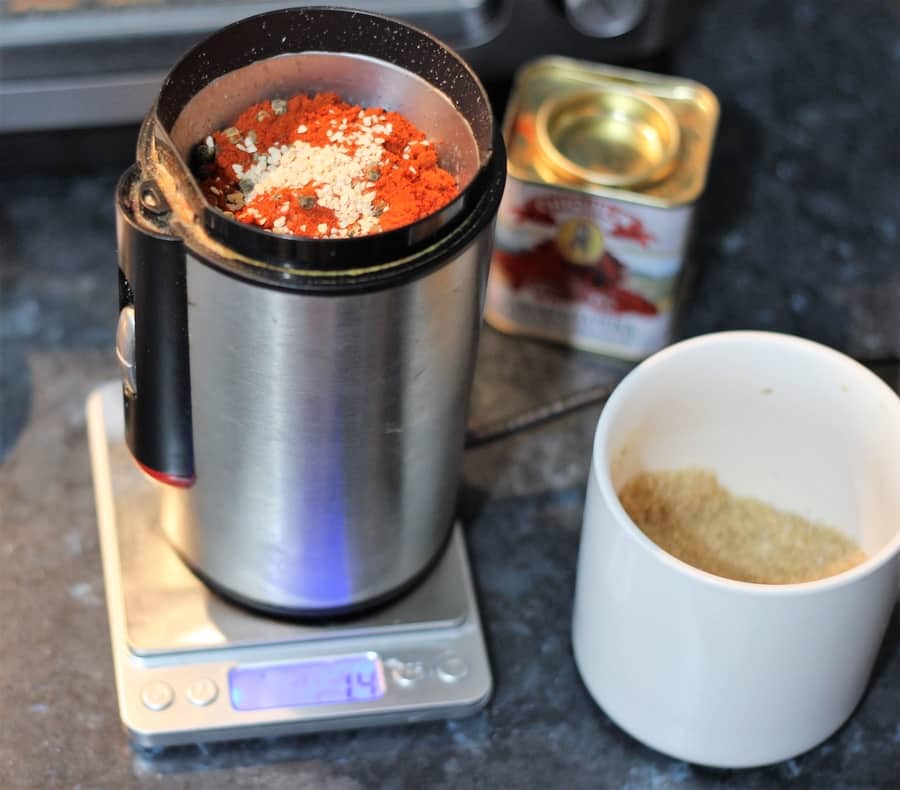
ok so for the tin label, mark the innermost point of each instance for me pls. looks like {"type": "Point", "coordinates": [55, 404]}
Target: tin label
{"type": "Point", "coordinates": [586, 270]}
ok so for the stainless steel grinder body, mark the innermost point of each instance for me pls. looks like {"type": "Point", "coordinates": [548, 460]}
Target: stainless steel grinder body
{"type": "Point", "coordinates": [304, 400]}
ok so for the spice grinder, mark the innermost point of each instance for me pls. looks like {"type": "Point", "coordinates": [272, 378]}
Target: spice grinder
{"type": "Point", "coordinates": [303, 401]}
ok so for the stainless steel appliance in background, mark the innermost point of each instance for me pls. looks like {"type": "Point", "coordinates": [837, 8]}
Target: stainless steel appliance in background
{"type": "Point", "coordinates": [305, 400]}
{"type": "Point", "coordinates": [81, 63]}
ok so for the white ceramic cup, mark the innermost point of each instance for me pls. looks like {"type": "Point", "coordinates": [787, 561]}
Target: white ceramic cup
{"type": "Point", "coordinates": [710, 670]}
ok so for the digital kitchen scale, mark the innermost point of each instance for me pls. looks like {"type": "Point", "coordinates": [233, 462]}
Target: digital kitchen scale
{"type": "Point", "coordinates": [190, 666]}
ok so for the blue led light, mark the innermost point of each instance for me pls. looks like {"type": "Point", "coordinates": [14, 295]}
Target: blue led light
{"type": "Point", "coordinates": [344, 680]}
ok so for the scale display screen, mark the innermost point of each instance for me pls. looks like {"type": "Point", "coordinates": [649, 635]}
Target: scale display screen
{"type": "Point", "coordinates": [348, 679]}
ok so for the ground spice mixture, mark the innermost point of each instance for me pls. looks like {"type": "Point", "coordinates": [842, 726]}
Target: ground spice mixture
{"type": "Point", "coordinates": [319, 167]}
{"type": "Point", "coordinates": [689, 514]}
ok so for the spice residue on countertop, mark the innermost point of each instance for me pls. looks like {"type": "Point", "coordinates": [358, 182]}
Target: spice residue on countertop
{"type": "Point", "coordinates": [689, 514]}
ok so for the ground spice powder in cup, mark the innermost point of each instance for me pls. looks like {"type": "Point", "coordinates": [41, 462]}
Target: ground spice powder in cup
{"type": "Point", "coordinates": [689, 514]}
{"type": "Point", "coordinates": [319, 167]}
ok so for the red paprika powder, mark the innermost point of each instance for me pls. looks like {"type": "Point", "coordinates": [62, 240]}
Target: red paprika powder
{"type": "Point", "coordinates": [319, 167]}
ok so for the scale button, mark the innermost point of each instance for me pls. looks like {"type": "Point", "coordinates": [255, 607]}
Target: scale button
{"type": "Point", "coordinates": [407, 673]}
{"type": "Point", "coordinates": [451, 668]}
{"type": "Point", "coordinates": [202, 692]}
{"type": "Point", "coordinates": [157, 695]}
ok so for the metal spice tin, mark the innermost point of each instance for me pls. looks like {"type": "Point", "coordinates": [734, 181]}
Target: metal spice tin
{"type": "Point", "coordinates": [605, 165]}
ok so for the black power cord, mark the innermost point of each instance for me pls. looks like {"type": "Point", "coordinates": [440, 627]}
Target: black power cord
{"type": "Point", "coordinates": [479, 435]}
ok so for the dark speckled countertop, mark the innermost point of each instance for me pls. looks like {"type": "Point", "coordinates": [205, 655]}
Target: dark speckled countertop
{"type": "Point", "coordinates": [799, 232]}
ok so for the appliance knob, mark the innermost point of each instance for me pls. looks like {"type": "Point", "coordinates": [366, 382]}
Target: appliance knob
{"type": "Point", "coordinates": [157, 695]}
{"type": "Point", "coordinates": [606, 18]}
{"type": "Point", "coordinates": [202, 692]}
{"type": "Point", "coordinates": [407, 673]}
{"type": "Point", "coordinates": [125, 350]}
{"type": "Point", "coordinates": [452, 668]}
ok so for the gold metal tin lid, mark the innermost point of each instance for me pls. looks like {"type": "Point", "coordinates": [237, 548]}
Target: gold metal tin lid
{"type": "Point", "coordinates": [608, 136]}
{"type": "Point", "coordinates": [553, 79]}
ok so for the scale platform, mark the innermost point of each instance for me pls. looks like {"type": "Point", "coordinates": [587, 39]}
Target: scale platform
{"type": "Point", "coordinates": [192, 667]}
